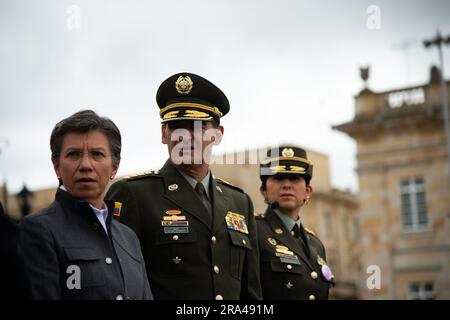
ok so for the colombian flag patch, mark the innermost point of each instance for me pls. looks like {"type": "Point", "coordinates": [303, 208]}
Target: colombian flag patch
{"type": "Point", "coordinates": [117, 208]}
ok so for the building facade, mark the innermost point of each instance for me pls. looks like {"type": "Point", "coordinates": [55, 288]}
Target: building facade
{"type": "Point", "coordinates": [404, 181]}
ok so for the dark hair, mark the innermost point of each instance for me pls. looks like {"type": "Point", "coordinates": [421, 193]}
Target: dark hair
{"type": "Point", "coordinates": [84, 121]}
{"type": "Point", "coordinates": [266, 177]}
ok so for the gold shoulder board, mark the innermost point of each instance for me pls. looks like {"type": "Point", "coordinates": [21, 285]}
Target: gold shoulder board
{"type": "Point", "coordinates": [310, 231]}
{"type": "Point", "coordinates": [141, 175]}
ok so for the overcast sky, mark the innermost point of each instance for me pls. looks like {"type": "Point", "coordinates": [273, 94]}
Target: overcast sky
{"type": "Point", "coordinates": [289, 68]}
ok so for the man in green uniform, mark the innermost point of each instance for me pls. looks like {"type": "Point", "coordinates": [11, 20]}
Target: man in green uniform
{"type": "Point", "coordinates": [197, 232]}
{"type": "Point", "coordinates": [292, 258]}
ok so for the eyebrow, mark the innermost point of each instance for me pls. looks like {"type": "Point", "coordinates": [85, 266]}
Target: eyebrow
{"type": "Point", "coordinates": [89, 149]}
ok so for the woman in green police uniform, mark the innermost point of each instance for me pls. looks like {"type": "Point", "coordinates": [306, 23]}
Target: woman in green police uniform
{"type": "Point", "coordinates": [292, 258]}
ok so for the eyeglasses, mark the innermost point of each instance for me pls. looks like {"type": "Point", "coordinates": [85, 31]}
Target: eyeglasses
{"type": "Point", "coordinates": [94, 155]}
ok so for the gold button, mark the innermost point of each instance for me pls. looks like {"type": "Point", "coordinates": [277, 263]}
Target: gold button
{"type": "Point", "coordinates": [244, 242]}
{"type": "Point", "coordinates": [219, 297]}
{"type": "Point", "coordinates": [216, 269]}
{"type": "Point", "coordinates": [175, 237]}
{"type": "Point", "coordinates": [213, 240]}
{"type": "Point", "coordinates": [119, 297]}
{"type": "Point", "coordinates": [108, 260]}
{"type": "Point", "coordinates": [289, 266]}
{"type": "Point", "coordinates": [312, 297]}
{"type": "Point", "coordinates": [314, 275]}
{"type": "Point", "coordinates": [292, 233]}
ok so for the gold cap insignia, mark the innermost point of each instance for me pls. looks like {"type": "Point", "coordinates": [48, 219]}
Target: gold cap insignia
{"type": "Point", "coordinates": [184, 85]}
{"type": "Point", "coordinates": [287, 152]}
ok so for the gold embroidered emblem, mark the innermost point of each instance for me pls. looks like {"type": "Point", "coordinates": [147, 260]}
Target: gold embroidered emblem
{"type": "Point", "coordinates": [184, 85]}
{"type": "Point", "coordinates": [287, 152]}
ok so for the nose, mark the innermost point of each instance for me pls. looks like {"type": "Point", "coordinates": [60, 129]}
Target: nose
{"type": "Point", "coordinates": [286, 184]}
{"type": "Point", "coordinates": [85, 162]}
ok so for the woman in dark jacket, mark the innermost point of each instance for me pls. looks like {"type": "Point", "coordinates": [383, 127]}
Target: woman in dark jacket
{"type": "Point", "coordinates": [74, 249]}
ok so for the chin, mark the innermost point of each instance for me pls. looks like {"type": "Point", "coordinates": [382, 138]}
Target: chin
{"type": "Point", "coordinates": [86, 194]}
{"type": "Point", "coordinates": [287, 205]}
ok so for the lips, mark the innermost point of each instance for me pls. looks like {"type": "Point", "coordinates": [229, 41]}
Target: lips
{"type": "Point", "coordinates": [287, 195]}
{"type": "Point", "coordinates": [86, 180]}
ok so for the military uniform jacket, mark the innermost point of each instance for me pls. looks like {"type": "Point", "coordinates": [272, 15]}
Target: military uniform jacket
{"type": "Point", "coordinates": [284, 276]}
{"type": "Point", "coordinates": [67, 235]}
{"type": "Point", "coordinates": [207, 261]}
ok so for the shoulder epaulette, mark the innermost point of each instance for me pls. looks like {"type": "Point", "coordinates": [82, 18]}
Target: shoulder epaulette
{"type": "Point", "coordinates": [310, 231]}
{"type": "Point", "coordinates": [142, 175]}
{"type": "Point", "coordinates": [228, 184]}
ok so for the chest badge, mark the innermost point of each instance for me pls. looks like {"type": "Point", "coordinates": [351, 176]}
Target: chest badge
{"type": "Point", "coordinates": [236, 222]}
{"type": "Point", "coordinates": [326, 271]}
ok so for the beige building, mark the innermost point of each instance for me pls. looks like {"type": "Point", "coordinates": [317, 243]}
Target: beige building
{"type": "Point", "coordinates": [332, 214]}
{"type": "Point", "coordinates": [404, 180]}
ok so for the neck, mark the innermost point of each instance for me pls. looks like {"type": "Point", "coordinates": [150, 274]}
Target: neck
{"type": "Point", "coordinates": [196, 171]}
{"type": "Point", "coordinates": [294, 214]}
{"type": "Point", "coordinates": [99, 204]}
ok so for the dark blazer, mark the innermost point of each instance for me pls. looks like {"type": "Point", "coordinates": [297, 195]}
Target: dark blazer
{"type": "Point", "coordinates": [284, 280]}
{"type": "Point", "coordinates": [68, 235]}
{"type": "Point", "coordinates": [13, 280]}
{"type": "Point", "coordinates": [209, 261]}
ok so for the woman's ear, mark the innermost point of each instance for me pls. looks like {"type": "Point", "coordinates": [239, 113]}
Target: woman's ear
{"type": "Point", "coordinates": [264, 194]}
{"type": "Point", "coordinates": [309, 190]}
{"type": "Point", "coordinates": [56, 167]}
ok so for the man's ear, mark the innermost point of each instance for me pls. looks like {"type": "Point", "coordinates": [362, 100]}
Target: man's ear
{"type": "Point", "coordinates": [163, 133]}
{"type": "Point", "coordinates": [219, 135]}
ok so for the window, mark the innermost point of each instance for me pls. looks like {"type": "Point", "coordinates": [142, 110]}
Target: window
{"type": "Point", "coordinates": [414, 211]}
{"type": "Point", "coordinates": [421, 291]}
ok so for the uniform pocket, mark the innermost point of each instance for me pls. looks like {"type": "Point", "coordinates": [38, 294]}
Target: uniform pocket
{"type": "Point", "coordinates": [241, 243]}
{"type": "Point", "coordinates": [90, 263]}
{"type": "Point", "coordinates": [176, 253]}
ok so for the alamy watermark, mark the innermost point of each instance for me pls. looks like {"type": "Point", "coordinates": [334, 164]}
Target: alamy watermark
{"type": "Point", "coordinates": [73, 21]}
{"type": "Point", "coordinates": [373, 21]}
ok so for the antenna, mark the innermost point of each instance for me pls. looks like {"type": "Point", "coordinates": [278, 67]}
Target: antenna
{"type": "Point", "coordinates": [405, 46]}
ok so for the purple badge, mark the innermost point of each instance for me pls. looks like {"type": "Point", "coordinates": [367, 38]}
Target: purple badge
{"type": "Point", "coordinates": [326, 271]}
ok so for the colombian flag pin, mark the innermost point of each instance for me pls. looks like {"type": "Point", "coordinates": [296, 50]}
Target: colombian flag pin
{"type": "Point", "coordinates": [117, 208]}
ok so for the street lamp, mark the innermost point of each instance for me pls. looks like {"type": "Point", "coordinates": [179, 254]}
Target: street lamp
{"type": "Point", "coordinates": [24, 197]}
